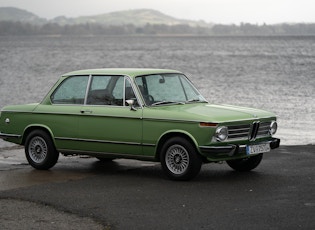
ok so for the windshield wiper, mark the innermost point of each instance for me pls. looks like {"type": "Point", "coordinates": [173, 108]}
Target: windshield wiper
{"type": "Point", "coordinates": [194, 100]}
{"type": "Point", "coordinates": [166, 102]}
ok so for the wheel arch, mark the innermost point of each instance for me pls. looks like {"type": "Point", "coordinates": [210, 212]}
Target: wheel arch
{"type": "Point", "coordinates": [174, 133]}
{"type": "Point", "coordinates": [31, 128]}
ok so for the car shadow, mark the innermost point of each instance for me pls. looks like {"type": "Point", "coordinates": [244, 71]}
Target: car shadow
{"type": "Point", "coordinates": [153, 170]}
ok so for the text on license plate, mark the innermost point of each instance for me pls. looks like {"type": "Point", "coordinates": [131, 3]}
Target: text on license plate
{"type": "Point", "coordinates": [255, 149]}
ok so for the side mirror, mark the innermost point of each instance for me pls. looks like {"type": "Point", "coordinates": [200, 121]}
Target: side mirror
{"type": "Point", "coordinates": [131, 102]}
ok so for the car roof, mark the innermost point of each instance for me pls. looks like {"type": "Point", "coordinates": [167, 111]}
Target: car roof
{"type": "Point", "coordinates": [132, 72]}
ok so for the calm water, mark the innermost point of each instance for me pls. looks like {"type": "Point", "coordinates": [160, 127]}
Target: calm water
{"type": "Point", "coordinates": [272, 73]}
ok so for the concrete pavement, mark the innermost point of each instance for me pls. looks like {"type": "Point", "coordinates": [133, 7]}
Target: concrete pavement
{"type": "Point", "coordinates": [127, 194]}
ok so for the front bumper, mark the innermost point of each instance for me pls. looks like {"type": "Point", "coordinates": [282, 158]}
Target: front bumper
{"type": "Point", "coordinates": [215, 152]}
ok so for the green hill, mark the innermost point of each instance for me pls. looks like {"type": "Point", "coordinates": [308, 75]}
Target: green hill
{"type": "Point", "coordinates": [15, 14]}
{"type": "Point", "coordinates": [138, 17]}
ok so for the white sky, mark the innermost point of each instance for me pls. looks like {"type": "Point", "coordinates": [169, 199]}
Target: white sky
{"type": "Point", "coordinates": [216, 11]}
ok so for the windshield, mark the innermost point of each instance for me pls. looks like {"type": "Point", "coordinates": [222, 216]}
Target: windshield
{"type": "Point", "coordinates": [162, 89]}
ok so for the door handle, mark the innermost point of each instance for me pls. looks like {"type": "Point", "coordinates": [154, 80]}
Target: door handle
{"type": "Point", "coordinates": [86, 111]}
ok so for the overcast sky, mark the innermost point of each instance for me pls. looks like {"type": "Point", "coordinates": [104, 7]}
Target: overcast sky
{"type": "Point", "coordinates": [216, 11]}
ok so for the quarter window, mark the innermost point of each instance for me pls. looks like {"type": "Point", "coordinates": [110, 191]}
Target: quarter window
{"type": "Point", "coordinates": [71, 91]}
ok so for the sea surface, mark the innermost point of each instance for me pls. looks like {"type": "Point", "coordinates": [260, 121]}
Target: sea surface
{"type": "Point", "coordinates": [271, 73]}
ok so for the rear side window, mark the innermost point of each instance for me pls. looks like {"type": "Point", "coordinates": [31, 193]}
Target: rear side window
{"type": "Point", "coordinates": [71, 91]}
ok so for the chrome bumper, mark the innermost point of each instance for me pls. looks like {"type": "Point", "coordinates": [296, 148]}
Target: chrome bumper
{"type": "Point", "coordinates": [232, 150]}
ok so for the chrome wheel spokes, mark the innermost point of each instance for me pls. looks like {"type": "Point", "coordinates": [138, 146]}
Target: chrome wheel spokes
{"type": "Point", "coordinates": [38, 149]}
{"type": "Point", "coordinates": [177, 159]}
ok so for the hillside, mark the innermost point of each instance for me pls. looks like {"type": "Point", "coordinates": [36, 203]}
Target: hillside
{"type": "Point", "coordinates": [15, 21]}
{"type": "Point", "coordinates": [18, 15]}
{"type": "Point", "coordinates": [138, 17]}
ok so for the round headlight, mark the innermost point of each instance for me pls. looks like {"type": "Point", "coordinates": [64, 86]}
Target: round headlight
{"type": "Point", "coordinates": [273, 128]}
{"type": "Point", "coordinates": [221, 133]}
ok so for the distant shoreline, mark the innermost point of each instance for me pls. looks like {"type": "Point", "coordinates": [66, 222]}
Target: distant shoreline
{"type": "Point", "coordinates": [162, 35]}
{"type": "Point", "coordinates": [244, 29]}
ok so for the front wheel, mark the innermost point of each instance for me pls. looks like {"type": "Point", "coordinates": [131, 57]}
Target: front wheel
{"type": "Point", "coordinates": [40, 151]}
{"type": "Point", "coordinates": [179, 159]}
{"type": "Point", "coordinates": [246, 164]}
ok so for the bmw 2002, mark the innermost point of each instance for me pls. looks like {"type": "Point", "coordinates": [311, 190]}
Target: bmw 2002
{"type": "Point", "coordinates": [146, 114]}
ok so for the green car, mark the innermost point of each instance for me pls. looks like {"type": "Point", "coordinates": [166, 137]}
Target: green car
{"type": "Point", "coordinates": [146, 114]}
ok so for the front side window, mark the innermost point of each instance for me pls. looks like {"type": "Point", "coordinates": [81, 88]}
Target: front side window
{"type": "Point", "coordinates": [110, 90]}
{"type": "Point", "coordinates": [71, 91]}
{"type": "Point", "coordinates": [101, 90]}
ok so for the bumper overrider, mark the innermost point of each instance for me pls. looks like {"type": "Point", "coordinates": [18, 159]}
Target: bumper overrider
{"type": "Point", "coordinates": [233, 149]}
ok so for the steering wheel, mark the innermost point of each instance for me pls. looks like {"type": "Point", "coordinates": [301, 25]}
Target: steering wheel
{"type": "Point", "coordinates": [148, 99]}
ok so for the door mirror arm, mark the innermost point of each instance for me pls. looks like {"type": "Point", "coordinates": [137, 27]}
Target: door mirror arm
{"type": "Point", "coordinates": [131, 104]}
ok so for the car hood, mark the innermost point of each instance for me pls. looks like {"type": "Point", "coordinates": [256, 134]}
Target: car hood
{"type": "Point", "coordinates": [210, 113]}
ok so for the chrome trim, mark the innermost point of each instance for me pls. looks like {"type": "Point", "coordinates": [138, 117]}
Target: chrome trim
{"type": "Point", "coordinates": [217, 150]}
{"type": "Point", "coordinates": [87, 89]}
{"type": "Point", "coordinates": [104, 141]}
{"type": "Point", "coordinates": [96, 141]}
{"type": "Point", "coordinates": [121, 117]}
{"type": "Point", "coordinates": [90, 76]}
{"type": "Point", "coordinates": [238, 132]}
{"type": "Point", "coordinates": [108, 154]}
{"type": "Point", "coordinates": [258, 129]}
{"type": "Point", "coordinates": [172, 120]}
{"type": "Point", "coordinates": [80, 114]}
{"type": "Point", "coordinates": [148, 144]}
{"type": "Point", "coordinates": [7, 135]}
{"type": "Point", "coordinates": [270, 127]}
{"type": "Point", "coordinates": [16, 111]}
{"type": "Point", "coordinates": [137, 92]}
{"type": "Point", "coordinates": [218, 133]}
{"type": "Point", "coordinates": [59, 82]}
{"type": "Point", "coordinates": [233, 150]}
{"type": "Point", "coordinates": [254, 130]}
{"type": "Point", "coordinates": [264, 129]}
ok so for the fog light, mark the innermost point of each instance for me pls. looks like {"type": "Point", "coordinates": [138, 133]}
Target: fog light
{"type": "Point", "coordinates": [273, 128]}
{"type": "Point", "coordinates": [221, 133]}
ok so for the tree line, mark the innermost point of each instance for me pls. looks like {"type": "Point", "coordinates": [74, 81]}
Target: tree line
{"type": "Point", "coordinates": [20, 28]}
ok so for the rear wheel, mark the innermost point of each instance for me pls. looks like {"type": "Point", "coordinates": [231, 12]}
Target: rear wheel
{"type": "Point", "coordinates": [179, 159]}
{"type": "Point", "coordinates": [40, 151]}
{"type": "Point", "coordinates": [246, 164]}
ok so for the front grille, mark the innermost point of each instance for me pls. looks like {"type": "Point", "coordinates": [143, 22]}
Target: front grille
{"type": "Point", "coordinates": [263, 130]}
{"type": "Point", "coordinates": [248, 131]}
{"type": "Point", "coordinates": [236, 132]}
{"type": "Point", "coordinates": [255, 129]}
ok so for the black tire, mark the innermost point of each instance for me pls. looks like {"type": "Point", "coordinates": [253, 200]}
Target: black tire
{"type": "Point", "coordinates": [179, 159]}
{"type": "Point", "coordinates": [105, 159]}
{"type": "Point", "coordinates": [40, 151]}
{"type": "Point", "coordinates": [246, 164]}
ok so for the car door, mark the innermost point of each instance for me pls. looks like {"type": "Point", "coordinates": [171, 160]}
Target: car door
{"type": "Point", "coordinates": [107, 124]}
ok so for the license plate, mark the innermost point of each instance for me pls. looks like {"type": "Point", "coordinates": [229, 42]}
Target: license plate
{"type": "Point", "coordinates": [255, 149]}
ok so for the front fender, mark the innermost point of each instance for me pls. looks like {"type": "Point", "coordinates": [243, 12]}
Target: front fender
{"type": "Point", "coordinates": [173, 133]}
